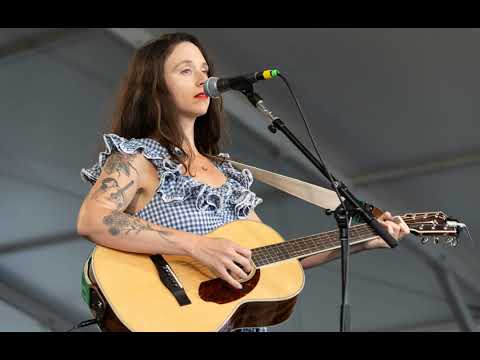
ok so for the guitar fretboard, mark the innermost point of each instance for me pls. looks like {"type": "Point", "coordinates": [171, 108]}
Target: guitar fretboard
{"type": "Point", "coordinates": [309, 245]}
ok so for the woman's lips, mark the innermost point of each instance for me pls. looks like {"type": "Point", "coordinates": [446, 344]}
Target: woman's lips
{"type": "Point", "coordinates": [201, 96]}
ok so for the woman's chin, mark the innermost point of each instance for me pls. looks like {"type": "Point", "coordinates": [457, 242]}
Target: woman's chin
{"type": "Point", "coordinates": [196, 111]}
{"type": "Point", "coordinates": [201, 112]}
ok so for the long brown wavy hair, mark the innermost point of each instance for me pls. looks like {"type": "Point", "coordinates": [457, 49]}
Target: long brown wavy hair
{"type": "Point", "coordinates": [143, 108]}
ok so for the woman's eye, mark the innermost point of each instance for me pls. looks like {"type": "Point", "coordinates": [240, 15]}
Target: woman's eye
{"type": "Point", "coordinates": [186, 71]}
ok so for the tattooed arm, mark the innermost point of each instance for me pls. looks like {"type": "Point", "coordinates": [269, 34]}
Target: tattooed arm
{"type": "Point", "coordinates": [102, 218]}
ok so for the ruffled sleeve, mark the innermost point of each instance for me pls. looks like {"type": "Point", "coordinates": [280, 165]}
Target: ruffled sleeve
{"type": "Point", "coordinates": [115, 143]}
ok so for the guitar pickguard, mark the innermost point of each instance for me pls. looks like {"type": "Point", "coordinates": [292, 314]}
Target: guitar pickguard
{"type": "Point", "coordinates": [219, 291]}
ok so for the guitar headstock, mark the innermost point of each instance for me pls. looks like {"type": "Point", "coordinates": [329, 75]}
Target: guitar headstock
{"type": "Point", "coordinates": [434, 226]}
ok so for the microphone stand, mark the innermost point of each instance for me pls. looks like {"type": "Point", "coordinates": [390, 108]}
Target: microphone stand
{"type": "Point", "coordinates": [343, 215]}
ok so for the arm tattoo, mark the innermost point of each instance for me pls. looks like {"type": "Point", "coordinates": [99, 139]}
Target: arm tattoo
{"type": "Point", "coordinates": [119, 222]}
{"type": "Point", "coordinates": [119, 162]}
{"type": "Point", "coordinates": [107, 184]}
{"type": "Point", "coordinates": [118, 197]}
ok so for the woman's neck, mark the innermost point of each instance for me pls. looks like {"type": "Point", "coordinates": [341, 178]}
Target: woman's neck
{"type": "Point", "coordinates": [187, 126]}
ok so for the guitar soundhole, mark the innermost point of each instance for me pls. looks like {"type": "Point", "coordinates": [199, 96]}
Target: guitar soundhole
{"type": "Point", "coordinates": [221, 292]}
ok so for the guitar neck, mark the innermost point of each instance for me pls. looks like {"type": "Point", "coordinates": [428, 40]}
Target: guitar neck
{"type": "Point", "coordinates": [309, 245]}
{"type": "Point", "coordinates": [425, 223]}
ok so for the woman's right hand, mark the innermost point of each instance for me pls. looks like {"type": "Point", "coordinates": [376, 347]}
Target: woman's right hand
{"type": "Point", "coordinates": [228, 260]}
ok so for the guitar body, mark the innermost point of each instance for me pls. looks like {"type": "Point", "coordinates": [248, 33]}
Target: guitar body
{"type": "Point", "coordinates": [131, 285]}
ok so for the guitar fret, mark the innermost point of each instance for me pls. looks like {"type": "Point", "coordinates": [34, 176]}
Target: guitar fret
{"type": "Point", "coordinates": [273, 255]}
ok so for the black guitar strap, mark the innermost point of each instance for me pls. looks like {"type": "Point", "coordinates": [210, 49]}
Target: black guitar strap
{"type": "Point", "coordinates": [170, 280]}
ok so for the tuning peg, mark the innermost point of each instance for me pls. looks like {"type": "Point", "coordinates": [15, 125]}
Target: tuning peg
{"type": "Point", "coordinates": [452, 241]}
{"type": "Point", "coordinates": [424, 240]}
{"type": "Point", "coordinates": [436, 239]}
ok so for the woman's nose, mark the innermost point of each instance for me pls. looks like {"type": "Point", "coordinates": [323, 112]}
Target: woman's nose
{"type": "Point", "coordinates": [203, 78]}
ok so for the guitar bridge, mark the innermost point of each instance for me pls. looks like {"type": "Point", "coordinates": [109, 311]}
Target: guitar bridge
{"type": "Point", "coordinates": [170, 280]}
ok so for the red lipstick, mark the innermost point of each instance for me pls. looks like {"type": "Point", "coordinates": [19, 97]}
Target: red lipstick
{"type": "Point", "coordinates": [201, 96]}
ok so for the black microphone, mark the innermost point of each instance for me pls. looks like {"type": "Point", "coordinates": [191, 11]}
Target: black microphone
{"type": "Point", "coordinates": [214, 86]}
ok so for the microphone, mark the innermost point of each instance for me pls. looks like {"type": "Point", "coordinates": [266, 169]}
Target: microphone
{"type": "Point", "coordinates": [214, 86]}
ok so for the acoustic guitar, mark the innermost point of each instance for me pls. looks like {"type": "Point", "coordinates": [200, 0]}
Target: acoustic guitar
{"type": "Point", "coordinates": [131, 285]}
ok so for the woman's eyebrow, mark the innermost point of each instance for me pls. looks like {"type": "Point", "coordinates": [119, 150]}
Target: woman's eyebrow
{"type": "Point", "coordinates": [190, 62]}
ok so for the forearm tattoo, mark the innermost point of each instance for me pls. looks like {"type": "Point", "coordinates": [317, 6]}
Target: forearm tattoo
{"type": "Point", "coordinates": [119, 163]}
{"type": "Point", "coordinates": [119, 222]}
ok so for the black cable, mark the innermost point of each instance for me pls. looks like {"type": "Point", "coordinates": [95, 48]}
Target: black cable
{"type": "Point", "coordinates": [311, 138]}
{"type": "Point", "coordinates": [83, 324]}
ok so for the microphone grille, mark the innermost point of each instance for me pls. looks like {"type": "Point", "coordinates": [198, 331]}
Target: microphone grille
{"type": "Point", "coordinates": [210, 87]}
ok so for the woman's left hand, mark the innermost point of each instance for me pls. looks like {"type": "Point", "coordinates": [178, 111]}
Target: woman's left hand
{"type": "Point", "coordinates": [394, 225]}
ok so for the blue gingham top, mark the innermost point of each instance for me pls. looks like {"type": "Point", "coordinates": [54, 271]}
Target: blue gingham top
{"type": "Point", "coordinates": [180, 201]}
